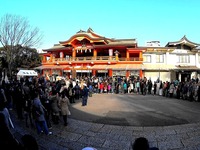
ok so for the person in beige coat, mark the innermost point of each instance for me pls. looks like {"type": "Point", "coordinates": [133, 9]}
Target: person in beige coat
{"type": "Point", "coordinates": [64, 106]}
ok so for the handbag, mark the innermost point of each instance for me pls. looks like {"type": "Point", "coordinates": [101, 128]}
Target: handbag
{"type": "Point", "coordinates": [69, 113]}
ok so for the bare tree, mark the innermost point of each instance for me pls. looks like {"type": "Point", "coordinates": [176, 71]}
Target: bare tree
{"type": "Point", "coordinates": [14, 31]}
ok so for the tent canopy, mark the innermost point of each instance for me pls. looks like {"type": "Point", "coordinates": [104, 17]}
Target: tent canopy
{"type": "Point", "coordinates": [27, 73]}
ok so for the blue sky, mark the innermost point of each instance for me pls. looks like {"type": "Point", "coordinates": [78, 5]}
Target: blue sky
{"type": "Point", "coordinates": [145, 20]}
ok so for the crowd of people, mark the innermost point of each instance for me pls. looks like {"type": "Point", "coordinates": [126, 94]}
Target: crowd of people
{"type": "Point", "coordinates": [54, 97]}
{"type": "Point", "coordinates": [41, 102]}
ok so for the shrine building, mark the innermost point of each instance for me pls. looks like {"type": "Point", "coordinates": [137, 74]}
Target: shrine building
{"type": "Point", "coordinates": [88, 54]}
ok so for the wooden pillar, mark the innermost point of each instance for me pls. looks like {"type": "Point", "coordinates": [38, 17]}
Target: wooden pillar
{"type": "Point", "coordinates": [127, 55]}
{"type": "Point", "coordinates": [110, 72]}
{"type": "Point", "coordinates": [73, 54]}
{"type": "Point", "coordinates": [141, 73]}
{"type": "Point", "coordinates": [140, 56]}
{"type": "Point", "coordinates": [127, 73]}
{"type": "Point", "coordinates": [95, 54]}
{"type": "Point", "coordinates": [44, 58]}
{"type": "Point", "coordinates": [93, 72]}
{"type": "Point", "coordinates": [51, 57]}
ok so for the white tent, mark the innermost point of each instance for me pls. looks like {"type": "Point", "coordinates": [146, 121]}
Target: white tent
{"type": "Point", "coordinates": [27, 73]}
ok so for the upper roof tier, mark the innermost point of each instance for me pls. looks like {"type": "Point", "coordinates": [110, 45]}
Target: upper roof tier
{"type": "Point", "coordinates": [184, 41]}
{"type": "Point", "coordinates": [94, 40]}
{"type": "Point", "coordinates": [94, 37]}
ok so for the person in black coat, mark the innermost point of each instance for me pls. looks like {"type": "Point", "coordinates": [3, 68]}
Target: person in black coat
{"type": "Point", "coordinates": [84, 95]}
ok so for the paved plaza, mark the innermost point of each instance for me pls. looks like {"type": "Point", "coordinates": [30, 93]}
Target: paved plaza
{"type": "Point", "coordinates": [114, 121]}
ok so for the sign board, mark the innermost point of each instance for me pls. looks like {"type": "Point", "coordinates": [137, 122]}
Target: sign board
{"type": "Point", "coordinates": [153, 43]}
{"type": "Point", "coordinates": [102, 71]}
{"type": "Point", "coordinates": [83, 71]}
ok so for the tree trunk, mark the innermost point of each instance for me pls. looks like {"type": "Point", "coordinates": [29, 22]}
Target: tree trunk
{"type": "Point", "coordinates": [9, 69]}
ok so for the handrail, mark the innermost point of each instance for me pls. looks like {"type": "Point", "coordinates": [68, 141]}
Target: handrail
{"type": "Point", "coordinates": [92, 58]}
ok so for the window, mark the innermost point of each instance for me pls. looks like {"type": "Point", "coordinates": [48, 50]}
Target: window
{"type": "Point", "coordinates": [183, 58]}
{"type": "Point", "coordinates": [159, 58]}
{"type": "Point", "coordinates": [147, 58]}
{"type": "Point", "coordinates": [199, 58]}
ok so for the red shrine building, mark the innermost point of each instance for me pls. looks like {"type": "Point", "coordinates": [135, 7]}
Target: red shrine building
{"type": "Point", "coordinates": [88, 54]}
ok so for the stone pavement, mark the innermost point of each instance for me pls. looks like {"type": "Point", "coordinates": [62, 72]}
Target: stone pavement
{"type": "Point", "coordinates": [79, 134]}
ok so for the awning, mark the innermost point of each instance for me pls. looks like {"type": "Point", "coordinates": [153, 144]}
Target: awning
{"type": "Point", "coordinates": [27, 73]}
{"type": "Point", "coordinates": [52, 67]}
{"type": "Point", "coordinates": [125, 67]}
{"type": "Point", "coordinates": [157, 67]}
{"type": "Point", "coordinates": [99, 67]}
{"type": "Point", "coordinates": [118, 67]}
{"type": "Point", "coordinates": [43, 67]}
{"type": "Point", "coordinates": [186, 67]}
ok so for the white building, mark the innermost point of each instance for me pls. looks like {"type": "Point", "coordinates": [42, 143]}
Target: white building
{"type": "Point", "coordinates": [177, 60]}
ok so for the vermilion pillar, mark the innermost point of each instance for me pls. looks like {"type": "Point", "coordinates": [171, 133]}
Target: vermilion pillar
{"type": "Point", "coordinates": [141, 74]}
{"type": "Point", "coordinates": [127, 55]}
{"type": "Point", "coordinates": [73, 54]}
{"type": "Point", "coordinates": [127, 73]}
{"type": "Point", "coordinates": [44, 58]}
{"type": "Point", "coordinates": [95, 53]}
{"type": "Point", "coordinates": [110, 72]}
{"type": "Point", "coordinates": [51, 57]}
{"type": "Point", "coordinates": [94, 72]}
{"type": "Point", "coordinates": [140, 56]}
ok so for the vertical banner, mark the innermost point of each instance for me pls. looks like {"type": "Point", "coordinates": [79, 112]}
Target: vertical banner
{"type": "Point", "coordinates": [61, 55]}
{"type": "Point", "coordinates": [110, 52]}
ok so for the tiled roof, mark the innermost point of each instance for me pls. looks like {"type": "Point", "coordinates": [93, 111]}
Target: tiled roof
{"type": "Point", "coordinates": [52, 67]}
{"type": "Point", "coordinates": [183, 40]}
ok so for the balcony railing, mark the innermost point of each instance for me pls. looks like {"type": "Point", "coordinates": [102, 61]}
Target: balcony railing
{"type": "Point", "coordinates": [98, 58]}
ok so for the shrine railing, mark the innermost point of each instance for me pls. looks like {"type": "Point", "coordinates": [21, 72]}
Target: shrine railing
{"type": "Point", "coordinates": [98, 58]}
